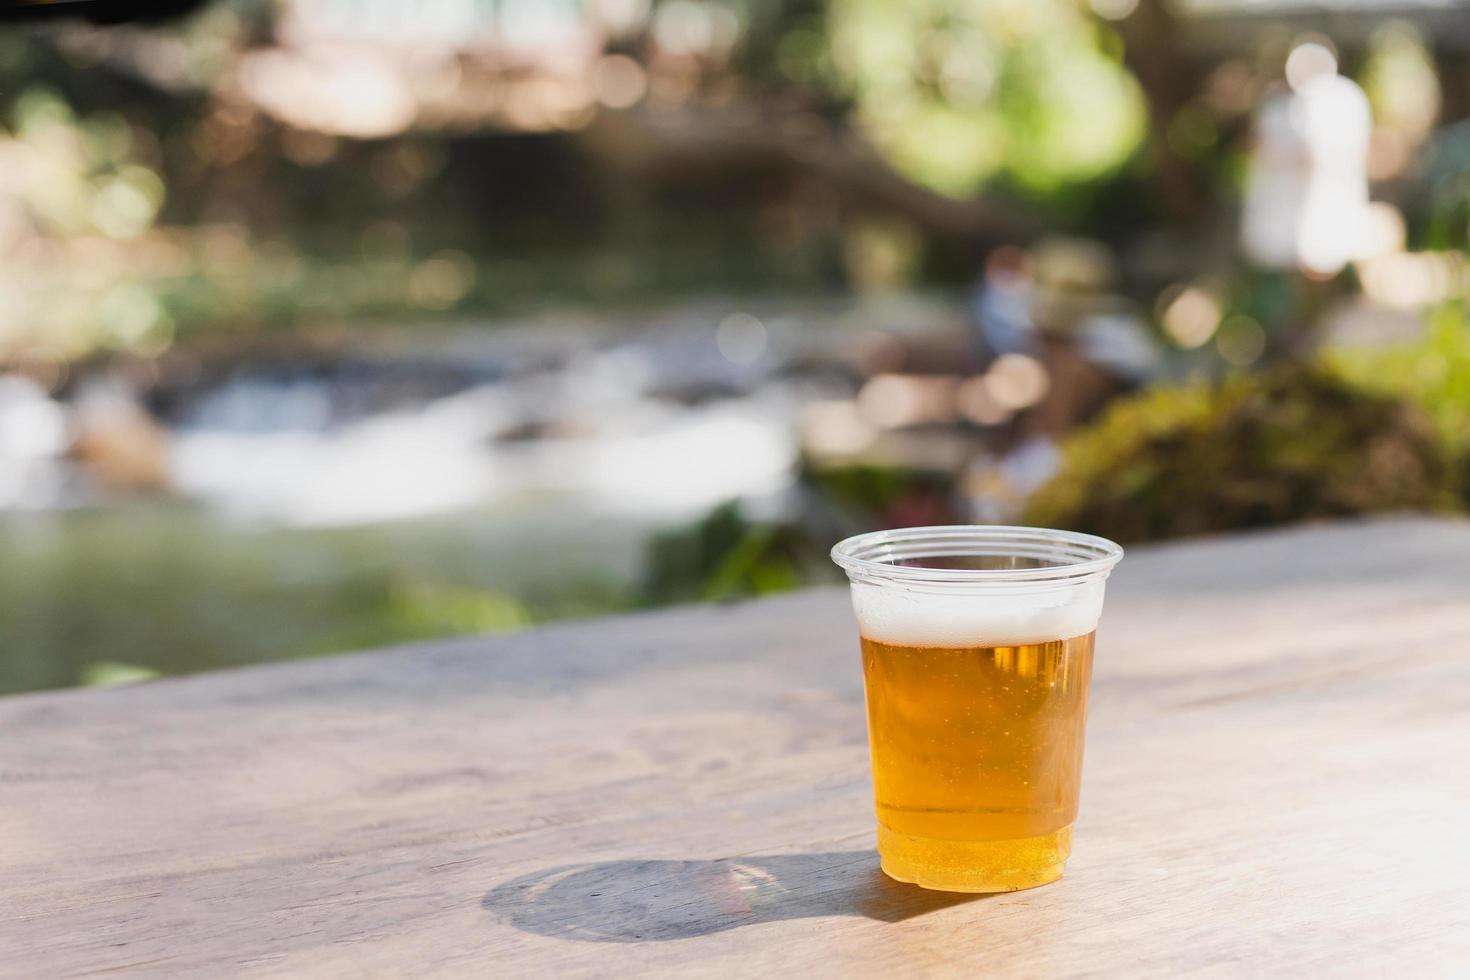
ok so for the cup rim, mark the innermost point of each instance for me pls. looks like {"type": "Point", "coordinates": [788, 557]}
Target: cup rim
{"type": "Point", "coordinates": [1075, 556]}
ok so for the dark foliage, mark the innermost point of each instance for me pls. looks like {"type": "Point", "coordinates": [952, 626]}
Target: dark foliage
{"type": "Point", "coordinates": [1293, 444]}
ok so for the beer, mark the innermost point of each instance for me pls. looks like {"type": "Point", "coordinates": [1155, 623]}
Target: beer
{"type": "Point", "coordinates": [977, 758]}
{"type": "Point", "coordinates": [977, 653]}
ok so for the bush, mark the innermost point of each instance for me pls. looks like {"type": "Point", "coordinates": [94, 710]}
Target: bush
{"type": "Point", "coordinates": [727, 555]}
{"type": "Point", "coordinates": [1432, 372]}
{"type": "Point", "coordinates": [1254, 450]}
{"type": "Point", "coordinates": [722, 556]}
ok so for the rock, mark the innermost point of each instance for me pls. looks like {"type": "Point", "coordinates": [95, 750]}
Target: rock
{"type": "Point", "coordinates": [117, 441]}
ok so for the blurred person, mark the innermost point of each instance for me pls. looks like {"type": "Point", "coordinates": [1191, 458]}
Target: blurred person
{"type": "Point", "coordinates": [1307, 187]}
{"type": "Point", "coordinates": [1001, 306]}
{"type": "Point", "coordinates": [1306, 196]}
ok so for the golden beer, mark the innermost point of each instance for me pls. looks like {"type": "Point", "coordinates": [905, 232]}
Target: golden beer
{"type": "Point", "coordinates": [977, 653]}
{"type": "Point", "coordinates": [977, 759]}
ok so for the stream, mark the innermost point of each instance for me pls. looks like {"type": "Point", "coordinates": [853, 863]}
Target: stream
{"type": "Point", "coordinates": [214, 510]}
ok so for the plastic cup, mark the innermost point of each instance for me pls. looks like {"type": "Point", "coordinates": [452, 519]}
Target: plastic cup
{"type": "Point", "coordinates": [977, 652]}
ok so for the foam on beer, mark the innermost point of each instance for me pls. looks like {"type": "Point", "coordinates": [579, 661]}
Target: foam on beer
{"type": "Point", "coordinates": [959, 619]}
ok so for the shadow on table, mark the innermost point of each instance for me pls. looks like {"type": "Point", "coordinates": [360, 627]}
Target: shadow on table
{"type": "Point", "coordinates": [649, 901]}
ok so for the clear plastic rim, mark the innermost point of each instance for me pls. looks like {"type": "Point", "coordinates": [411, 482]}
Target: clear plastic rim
{"type": "Point", "coordinates": [1075, 557]}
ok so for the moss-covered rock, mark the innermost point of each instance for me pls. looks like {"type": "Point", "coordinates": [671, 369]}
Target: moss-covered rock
{"type": "Point", "coordinates": [1251, 451]}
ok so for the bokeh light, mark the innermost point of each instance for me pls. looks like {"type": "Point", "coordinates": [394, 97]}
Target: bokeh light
{"type": "Point", "coordinates": [1190, 315]}
{"type": "Point", "coordinates": [1016, 381]}
{"type": "Point", "coordinates": [1241, 341]}
{"type": "Point", "coordinates": [1309, 59]}
{"type": "Point", "coordinates": [742, 338]}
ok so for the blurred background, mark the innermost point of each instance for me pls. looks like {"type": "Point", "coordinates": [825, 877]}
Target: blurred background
{"type": "Point", "coordinates": [326, 324]}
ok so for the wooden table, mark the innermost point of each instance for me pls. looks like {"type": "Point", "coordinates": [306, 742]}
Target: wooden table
{"type": "Point", "coordinates": [1277, 784]}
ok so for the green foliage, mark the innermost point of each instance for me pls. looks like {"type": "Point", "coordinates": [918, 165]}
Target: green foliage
{"type": "Point", "coordinates": [724, 555]}
{"type": "Point", "coordinates": [93, 183]}
{"type": "Point", "coordinates": [864, 488]}
{"type": "Point", "coordinates": [864, 496]}
{"type": "Point", "coordinates": [81, 188]}
{"type": "Point", "coordinates": [430, 609]}
{"type": "Point", "coordinates": [110, 673]}
{"type": "Point", "coordinates": [956, 92]}
{"type": "Point", "coordinates": [1400, 79]}
{"type": "Point", "coordinates": [1434, 373]}
{"type": "Point", "coordinates": [1255, 450]}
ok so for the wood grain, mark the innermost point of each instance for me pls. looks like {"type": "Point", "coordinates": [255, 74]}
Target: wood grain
{"type": "Point", "coordinates": [1276, 783]}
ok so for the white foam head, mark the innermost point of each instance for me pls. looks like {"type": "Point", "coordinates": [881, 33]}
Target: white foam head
{"type": "Point", "coordinates": [959, 618]}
